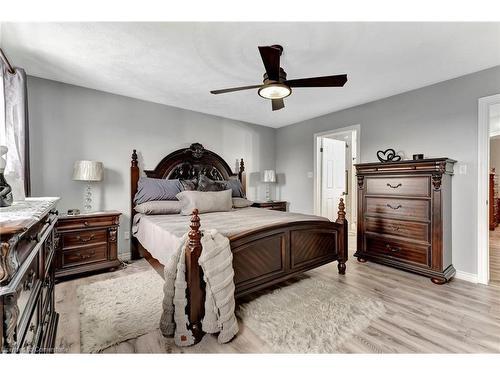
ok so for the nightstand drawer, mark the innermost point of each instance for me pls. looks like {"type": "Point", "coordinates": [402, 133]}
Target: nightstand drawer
{"type": "Point", "coordinates": [82, 223]}
{"type": "Point", "coordinates": [85, 255]}
{"type": "Point", "coordinates": [81, 238]}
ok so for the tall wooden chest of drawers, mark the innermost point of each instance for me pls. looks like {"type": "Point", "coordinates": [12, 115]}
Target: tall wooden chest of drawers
{"type": "Point", "coordinates": [404, 216]}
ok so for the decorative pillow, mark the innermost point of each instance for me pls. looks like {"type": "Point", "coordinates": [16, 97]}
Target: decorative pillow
{"type": "Point", "coordinates": [156, 189]}
{"type": "Point", "coordinates": [241, 202]}
{"type": "Point", "coordinates": [207, 184]}
{"type": "Point", "coordinates": [205, 201]}
{"type": "Point", "coordinates": [159, 207]}
{"type": "Point", "coordinates": [189, 184]}
{"type": "Point", "coordinates": [236, 187]}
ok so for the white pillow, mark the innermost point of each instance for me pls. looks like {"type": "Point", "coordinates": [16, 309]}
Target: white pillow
{"type": "Point", "coordinates": [205, 201]}
{"type": "Point", "coordinates": [159, 207]}
{"type": "Point", "coordinates": [241, 203]}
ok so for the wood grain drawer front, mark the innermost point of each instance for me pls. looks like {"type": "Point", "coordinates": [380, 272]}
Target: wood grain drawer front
{"type": "Point", "coordinates": [410, 230]}
{"type": "Point", "coordinates": [410, 209]}
{"type": "Point", "coordinates": [408, 252]}
{"type": "Point", "coordinates": [85, 255]}
{"type": "Point", "coordinates": [408, 186]}
{"type": "Point", "coordinates": [82, 223]}
{"type": "Point", "coordinates": [82, 238]}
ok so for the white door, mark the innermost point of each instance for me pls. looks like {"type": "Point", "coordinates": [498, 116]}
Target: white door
{"type": "Point", "coordinates": [333, 176]}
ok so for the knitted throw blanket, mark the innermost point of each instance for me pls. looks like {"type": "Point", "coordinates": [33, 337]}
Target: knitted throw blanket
{"type": "Point", "coordinates": [216, 261]}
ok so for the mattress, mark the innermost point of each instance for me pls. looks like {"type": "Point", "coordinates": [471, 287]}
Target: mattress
{"type": "Point", "coordinates": [161, 235]}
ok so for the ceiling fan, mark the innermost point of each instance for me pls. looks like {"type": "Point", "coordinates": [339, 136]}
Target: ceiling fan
{"type": "Point", "coordinates": [276, 87]}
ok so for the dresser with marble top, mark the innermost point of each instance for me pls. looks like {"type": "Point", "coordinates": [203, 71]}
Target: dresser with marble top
{"type": "Point", "coordinates": [27, 310]}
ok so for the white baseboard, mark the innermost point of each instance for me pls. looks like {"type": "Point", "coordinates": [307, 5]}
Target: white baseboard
{"type": "Point", "coordinates": [466, 276]}
{"type": "Point", "coordinates": [124, 256]}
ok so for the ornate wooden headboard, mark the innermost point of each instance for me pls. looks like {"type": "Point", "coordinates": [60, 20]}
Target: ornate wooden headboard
{"type": "Point", "coordinates": [185, 163]}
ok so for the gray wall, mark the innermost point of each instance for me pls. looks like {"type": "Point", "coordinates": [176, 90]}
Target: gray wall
{"type": "Point", "coordinates": [495, 154]}
{"type": "Point", "coordinates": [70, 123]}
{"type": "Point", "coordinates": [438, 120]}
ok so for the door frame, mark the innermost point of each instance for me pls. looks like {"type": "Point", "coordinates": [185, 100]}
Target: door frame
{"type": "Point", "coordinates": [483, 168]}
{"type": "Point", "coordinates": [317, 175]}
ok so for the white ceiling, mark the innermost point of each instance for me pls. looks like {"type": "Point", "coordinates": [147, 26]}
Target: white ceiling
{"type": "Point", "coordinates": [179, 63]}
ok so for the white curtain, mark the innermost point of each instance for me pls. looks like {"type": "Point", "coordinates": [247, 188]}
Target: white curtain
{"type": "Point", "coordinates": [14, 128]}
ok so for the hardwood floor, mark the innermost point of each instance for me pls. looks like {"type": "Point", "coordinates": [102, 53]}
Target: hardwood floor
{"type": "Point", "coordinates": [459, 317]}
{"type": "Point", "coordinates": [495, 256]}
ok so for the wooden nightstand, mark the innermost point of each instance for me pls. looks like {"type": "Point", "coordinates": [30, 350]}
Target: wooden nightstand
{"type": "Point", "coordinates": [86, 242]}
{"type": "Point", "coordinates": [274, 205]}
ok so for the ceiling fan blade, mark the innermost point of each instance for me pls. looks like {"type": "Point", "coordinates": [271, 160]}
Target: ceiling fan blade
{"type": "Point", "coordinates": [326, 81]}
{"type": "Point", "coordinates": [278, 104]}
{"type": "Point", "coordinates": [223, 91]}
{"type": "Point", "coordinates": [271, 59]}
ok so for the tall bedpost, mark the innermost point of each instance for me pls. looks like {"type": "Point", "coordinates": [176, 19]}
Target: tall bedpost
{"type": "Point", "coordinates": [343, 237]}
{"type": "Point", "coordinates": [134, 179]}
{"type": "Point", "coordinates": [194, 278]}
{"type": "Point", "coordinates": [242, 176]}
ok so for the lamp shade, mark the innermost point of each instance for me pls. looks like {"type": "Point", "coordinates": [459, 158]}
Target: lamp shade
{"type": "Point", "coordinates": [87, 170]}
{"type": "Point", "coordinates": [269, 175]}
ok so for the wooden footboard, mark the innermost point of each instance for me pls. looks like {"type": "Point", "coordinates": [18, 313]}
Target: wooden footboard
{"type": "Point", "coordinates": [264, 257]}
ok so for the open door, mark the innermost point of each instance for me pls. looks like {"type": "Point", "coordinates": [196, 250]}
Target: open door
{"type": "Point", "coordinates": [333, 176]}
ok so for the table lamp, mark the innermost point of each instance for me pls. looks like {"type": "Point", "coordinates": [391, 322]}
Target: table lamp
{"type": "Point", "coordinates": [269, 177]}
{"type": "Point", "coordinates": [87, 170]}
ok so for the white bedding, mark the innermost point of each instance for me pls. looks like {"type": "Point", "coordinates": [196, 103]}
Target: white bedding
{"type": "Point", "coordinates": [161, 234]}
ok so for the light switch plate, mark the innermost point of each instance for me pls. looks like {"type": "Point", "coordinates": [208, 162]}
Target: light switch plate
{"type": "Point", "coordinates": [462, 169]}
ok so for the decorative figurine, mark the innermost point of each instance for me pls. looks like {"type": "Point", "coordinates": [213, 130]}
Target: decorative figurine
{"type": "Point", "coordinates": [388, 155]}
{"type": "Point", "coordinates": [5, 189]}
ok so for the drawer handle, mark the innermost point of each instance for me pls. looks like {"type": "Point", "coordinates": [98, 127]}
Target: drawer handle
{"type": "Point", "coordinates": [397, 228]}
{"type": "Point", "coordinates": [86, 256]}
{"type": "Point", "coordinates": [82, 239]}
{"type": "Point", "coordinates": [394, 208]}
{"type": "Point", "coordinates": [86, 223]}
{"type": "Point", "coordinates": [395, 187]}
{"type": "Point", "coordinates": [392, 249]}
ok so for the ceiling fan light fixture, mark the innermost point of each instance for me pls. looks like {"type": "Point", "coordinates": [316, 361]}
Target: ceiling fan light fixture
{"type": "Point", "coordinates": [275, 91]}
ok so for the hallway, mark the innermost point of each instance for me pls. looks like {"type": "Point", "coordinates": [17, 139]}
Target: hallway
{"type": "Point", "coordinates": [495, 256]}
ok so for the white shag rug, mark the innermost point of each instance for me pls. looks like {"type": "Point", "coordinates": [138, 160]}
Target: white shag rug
{"type": "Point", "coordinates": [115, 310]}
{"type": "Point", "coordinates": [301, 316]}
{"type": "Point", "coordinates": [309, 316]}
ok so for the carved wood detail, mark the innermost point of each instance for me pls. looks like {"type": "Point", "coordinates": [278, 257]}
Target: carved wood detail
{"type": "Point", "coordinates": [112, 234]}
{"type": "Point", "coordinates": [361, 181]}
{"type": "Point", "coordinates": [436, 181]}
{"type": "Point", "coordinates": [11, 314]}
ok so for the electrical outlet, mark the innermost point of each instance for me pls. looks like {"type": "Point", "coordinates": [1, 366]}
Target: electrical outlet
{"type": "Point", "coordinates": [310, 175]}
{"type": "Point", "coordinates": [126, 235]}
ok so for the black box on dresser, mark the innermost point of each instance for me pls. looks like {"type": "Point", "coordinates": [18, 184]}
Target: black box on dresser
{"type": "Point", "coordinates": [404, 216]}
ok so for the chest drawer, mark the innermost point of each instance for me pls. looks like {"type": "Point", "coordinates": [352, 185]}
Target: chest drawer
{"type": "Point", "coordinates": [409, 230]}
{"type": "Point", "coordinates": [407, 186]}
{"type": "Point", "coordinates": [400, 250]}
{"type": "Point", "coordinates": [82, 238]}
{"type": "Point", "coordinates": [84, 255]}
{"type": "Point", "coordinates": [397, 208]}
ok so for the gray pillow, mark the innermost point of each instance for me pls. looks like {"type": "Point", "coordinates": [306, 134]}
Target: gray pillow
{"type": "Point", "coordinates": [205, 201]}
{"type": "Point", "coordinates": [156, 189]}
{"type": "Point", "coordinates": [207, 184]}
{"type": "Point", "coordinates": [236, 187]}
{"type": "Point", "coordinates": [159, 207]}
{"type": "Point", "coordinates": [189, 184]}
{"type": "Point", "coordinates": [241, 202]}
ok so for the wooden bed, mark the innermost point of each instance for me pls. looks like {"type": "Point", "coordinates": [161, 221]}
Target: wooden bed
{"type": "Point", "coordinates": [261, 257]}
